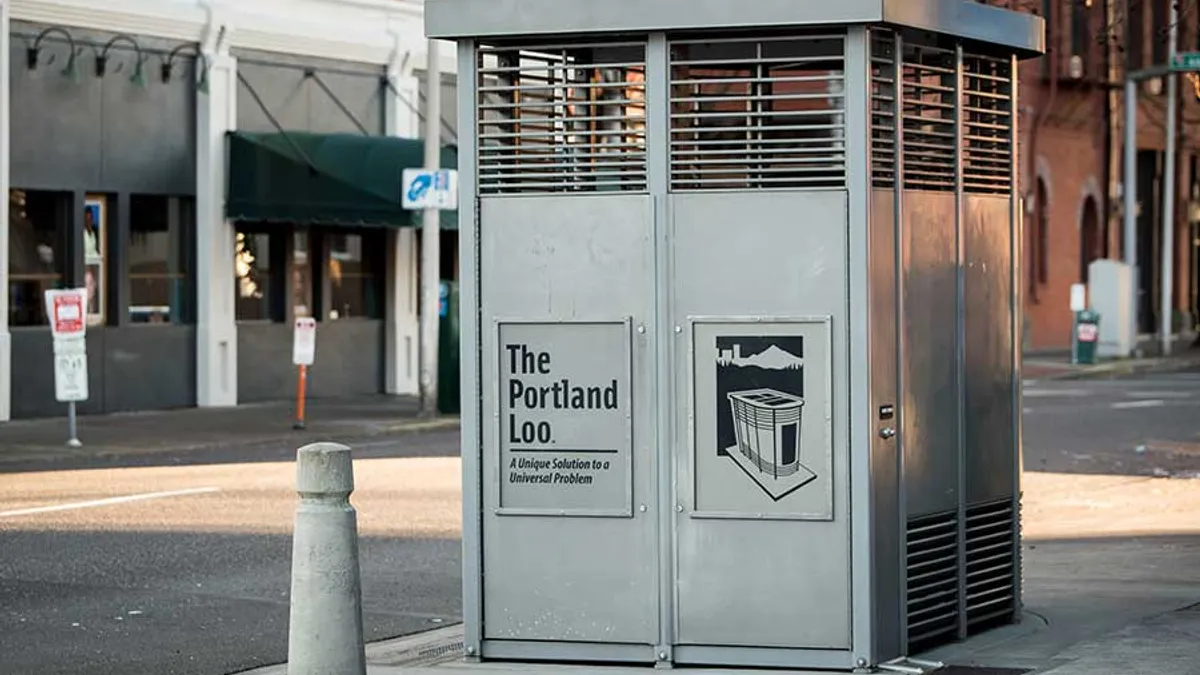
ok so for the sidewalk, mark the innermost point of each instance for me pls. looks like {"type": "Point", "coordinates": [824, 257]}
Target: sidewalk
{"type": "Point", "coordinates": [193, 429]}
{"type": "Point", "coordinates": [1112, 587]}
{"type": "Point", "coordinates": [1059, 367]}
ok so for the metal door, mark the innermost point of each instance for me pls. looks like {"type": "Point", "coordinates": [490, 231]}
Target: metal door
{"type": "Point", "coordinates": [568, 542]}
{"type": "Point", "coordinates": [762, 529]}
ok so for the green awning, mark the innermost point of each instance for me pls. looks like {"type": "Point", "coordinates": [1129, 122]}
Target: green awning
{"type": "Point", "coordinates": [325, 179]}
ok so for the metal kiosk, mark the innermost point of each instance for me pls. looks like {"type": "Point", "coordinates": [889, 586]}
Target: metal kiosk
{"type": "Point", "coordinates": [739, 327]}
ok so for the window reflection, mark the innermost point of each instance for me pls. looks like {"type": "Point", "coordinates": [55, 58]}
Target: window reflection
{"type": "Point", "coordinates": [36, 252]}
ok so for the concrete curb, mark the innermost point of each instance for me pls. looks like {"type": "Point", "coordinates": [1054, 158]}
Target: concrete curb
{"type": "Point", "coordinates": [12, 454]}
{"type": "Point", "coordinates": [1130, 367]}
{"type": "Point", "coordinates": [428, 647]}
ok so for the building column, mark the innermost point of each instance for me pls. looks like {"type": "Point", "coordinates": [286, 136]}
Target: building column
{"type": "Point", "coordinates": [401, 335]}
{"type": "Point", "coordinates": [216, 329]}
{"type": "Point", "coordinates": [5, 336]}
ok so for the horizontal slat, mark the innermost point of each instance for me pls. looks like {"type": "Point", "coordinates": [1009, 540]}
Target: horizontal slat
{"type": "Point", "coordinates": [748, 79]}
{"type": "Point", "coordinates": [773, 128]}
{"type": "Point", "coordinates": [978, 616]}
{"type": "Point", "coordinates": [916, 600]}
{"type": "Point", "coordinates": [923, 588]}
{"type": "Point", "coordinates": [751, 182]}
{"type": "Point", "coordinates": [758, 114]}
{"type": "Point", "coordinates": [949, 617]}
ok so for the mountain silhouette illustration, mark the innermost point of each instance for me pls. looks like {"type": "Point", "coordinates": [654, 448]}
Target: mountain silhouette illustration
{"type": "Point", "coordinates": [773, 358]}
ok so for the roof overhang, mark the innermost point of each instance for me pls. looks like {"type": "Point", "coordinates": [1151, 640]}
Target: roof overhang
{"type": "Point", "coordinates": [1023, 33]}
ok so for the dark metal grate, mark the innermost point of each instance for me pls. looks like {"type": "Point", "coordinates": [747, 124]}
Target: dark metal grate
{"type": "Point", "coordinates": [988, 112]}
{"type": "Point", "coordinates": [929, 149]}
{"type": "Point", "coordinates": [933, 581]}
{"type": "Point", "coordinates": [562, 118]}
{"type": "Point", "coordinates": [760, 114]}
{"type": "Point", "coordinates": [991, 563]}
{"type": "Point", "coordinates": [883, 109]}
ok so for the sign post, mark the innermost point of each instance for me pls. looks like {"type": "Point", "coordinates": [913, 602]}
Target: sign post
{"type": "Point", "coordinates": [431, 190]}
{"type": "Point", "coordinates": [304, 352]}
{"type": "Point", "coordinates": [67, 311]}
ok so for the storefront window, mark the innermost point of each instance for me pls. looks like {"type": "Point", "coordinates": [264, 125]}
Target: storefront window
{"type": "Point", "coordinates": [252, 266]}
{"type": "Point", "coordinates": [37, 255]}
{"type": "Point", "coordinates": [95, 231]}
{"type": "Point", "coordinates": [353, 290]}
{"type": "Point", "coordinates": [158, 283]}
{"type": "Point", "coordinates": [302, 275]}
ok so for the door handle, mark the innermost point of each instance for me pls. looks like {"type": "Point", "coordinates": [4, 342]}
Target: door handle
{"type": "Point", "coordinates": [887, 433]}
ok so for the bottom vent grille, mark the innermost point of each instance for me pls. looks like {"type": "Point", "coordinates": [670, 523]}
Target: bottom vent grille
{"type": "Point", "coordinates": [933, 582]}
{"type": "Point", "coordinates": [938, 593]}
{"type": "Point", "coordinates": [991, 564]}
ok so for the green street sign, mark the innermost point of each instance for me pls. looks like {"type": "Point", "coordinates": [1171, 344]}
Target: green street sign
{"type": "Point", "coordinates": [1186, 61]}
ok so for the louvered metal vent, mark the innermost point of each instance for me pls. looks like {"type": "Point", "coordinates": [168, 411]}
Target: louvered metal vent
{"type": "Point", "coordinates": [991, 563]}
{"type": "Point", "coordinates": [883, 109]}
{"type": "Point", "coordinates": [562, 118]}
{"type": "Point", "coordinates": [758, 114]}
{"type": "Point", "coordinates": [988, 113]}
{"type": "Point", "coordinates": [929, 141]}
{"type": "Point", "coordinates": [933, 581]}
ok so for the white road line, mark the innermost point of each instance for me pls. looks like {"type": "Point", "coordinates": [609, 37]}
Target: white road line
{"type": "Point", "coordinates": [1048, 393]}
{"type": "Point", "coordinates": [108, 501]}
{"type": "Point", "coordinates": [1122, 405]}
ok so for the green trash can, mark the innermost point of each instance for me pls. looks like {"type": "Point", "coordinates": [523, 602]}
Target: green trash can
{"type": "Point", "coordinates": [1085, 335]}
{"type": "Point", "coordinates": [449, 400]}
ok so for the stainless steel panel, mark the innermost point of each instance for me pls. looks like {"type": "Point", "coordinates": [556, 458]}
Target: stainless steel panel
{"type": "Point", "coordinates": [990, 446]}
{"type": "Point", "coordinates": [567, 651]}
{"type": "Point", "coordinates": [860, 250]}
{"type": "Point", "coordinates": [556, 577]}
{"type": "Point", "coordinates": [751, 657]}
{"type": "Point", "coordinates": [749, 582]}
{"type": "Point", "coordinates": [930, 399]}
{"type": "Point", "coordinates": [470, 434]}
{"type": "Point", "coordinates": [888, 520]}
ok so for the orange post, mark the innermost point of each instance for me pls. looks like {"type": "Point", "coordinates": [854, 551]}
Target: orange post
{"type": "Point", "coordinates": [301, 385]}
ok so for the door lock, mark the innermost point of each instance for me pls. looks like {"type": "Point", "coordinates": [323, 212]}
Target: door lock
{"type": "Point", "coordinates": [887, 432]}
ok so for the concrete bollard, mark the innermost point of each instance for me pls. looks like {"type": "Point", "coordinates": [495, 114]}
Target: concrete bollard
{"type": "Point", "coordinates": [325, 633]}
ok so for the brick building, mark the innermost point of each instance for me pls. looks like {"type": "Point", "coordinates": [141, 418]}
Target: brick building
{"type": "Point", "coordinates": [1071, 150]}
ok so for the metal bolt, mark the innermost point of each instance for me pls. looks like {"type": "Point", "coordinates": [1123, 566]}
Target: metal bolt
{"type": "Point", "coordinates": [862, 663]}
{"type": "Point", "coordinates": [641, 329]}
{"type": "Point", "coordinates": [642, 508]}
{"type": "Point", "coordinates": [470, 651]}
{"type": "Point", "coordinates": [662, 656]}
{"type": "Point", "coordinates": [679, 508]}
{"type": "Point", "coordinates": [678, 329]}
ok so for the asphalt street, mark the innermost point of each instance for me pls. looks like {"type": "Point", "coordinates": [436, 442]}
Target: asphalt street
{"type": "Point", "coordinates": [1136, 426]}
{"type": "Point", "coordinates": [179, 564]}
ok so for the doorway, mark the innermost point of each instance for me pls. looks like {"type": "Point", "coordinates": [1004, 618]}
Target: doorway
{"type": "Point", "coordinates": [1089, 237]}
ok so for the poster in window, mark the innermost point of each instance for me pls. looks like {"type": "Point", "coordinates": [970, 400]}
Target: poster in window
{"type": "Point", "coordinates": [95, 214]}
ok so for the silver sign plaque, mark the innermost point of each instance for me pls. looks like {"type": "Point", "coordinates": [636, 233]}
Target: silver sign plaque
{"type": "Point", "coordinates": [566, 426]}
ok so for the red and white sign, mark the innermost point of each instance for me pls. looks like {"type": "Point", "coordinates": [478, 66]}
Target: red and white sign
{"type": "Point", "coordinates": [304, 341]}
{"type": "Point", "coordinates": [67, 311]}
{"type": "Point", "coordinates": [1087, 332]}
